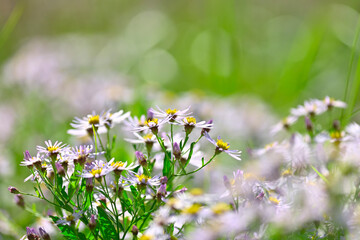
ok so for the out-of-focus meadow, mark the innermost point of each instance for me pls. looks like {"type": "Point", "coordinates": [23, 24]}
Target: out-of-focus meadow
{"type": "Point", "coordinates": [241, 63]}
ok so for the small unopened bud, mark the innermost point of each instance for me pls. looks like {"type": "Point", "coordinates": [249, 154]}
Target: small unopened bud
{"type": "Point", "coordinates": [336, 125]}
{"type": "Point", "coordinates": [44, 234]}
{"type": "Point", "coordinates": [60, 169]}
{"type": "Point", "coordinates": [135, 230]}
{"type": "Point", "coordinates": [163, 180]}
{"type": "Point", "coordinates": [89, 184]}
{"type": "Point", "coordinates": [206, 129]}
{"type": "Point", "coordinates": [150, 114]}
{"type": "Point", "coordinates": [19, 200]}
{"type": "Point", "coordinates": [141, 158]}
{"type": "Point", "coordinates": [176, 151]}
{"type": "Point", "coordinates": [308, 124]}
{"type": "Point", "coordinates": [32, 234]}
{"type": "Point", "coordinates": [92, 223]}
{"type": "Point", "coordinates": [13, 190]}
{"type": "Point", "coordinates": [161, 191]}
{"type": "Point", "coordinates": [102, 199]}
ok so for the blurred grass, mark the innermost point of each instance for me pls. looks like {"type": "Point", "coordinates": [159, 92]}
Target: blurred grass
{"type": "Point", "coordinates": [281, 51]}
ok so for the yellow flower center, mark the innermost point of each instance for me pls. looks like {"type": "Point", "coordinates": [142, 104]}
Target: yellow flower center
{"type": "Point", "coordinates": [274, 200]}
{"type": "Point", "coordinates": [190, 120]}
{"type": "Point", "coordinates": [193, 209]}
{"type": "Point", "coordinates": [223, 145]}
{"type": "Point", "coordinates": [70, 218]}
{"type": "Point", "coordinates": [196, 192]}
{"type": "Point", "coordinates": [287, 172]}
{"type": "Point", "coordinates": [148, 136]}
{"type": "Point", "coordinates": [52, 149]}
{"type": "Point", "coordinates": [336, 135]}
{"type": "Point", "coordinates": [146, 237]}
{"type": "Point", "coordinates": [117, 164]}
{"type": "Point", "coordinates": [220, 208]}
{"type": "Point", "coordinates": [143, 178]}
{"type": "Point", "coordinates": [152, 122]}
{"type": "Point", "coordinates": [94, 119]}
{"type": "Point", "coordinates": [269, 146]}
{"type": "Point", "coordinates": [95, 172]}
{"type": "Point", "coordinates": [171, 111]}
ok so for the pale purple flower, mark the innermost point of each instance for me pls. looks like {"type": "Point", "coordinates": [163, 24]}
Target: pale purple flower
{"type": "Point", "coordinates": [52, 149]}
{"type": "Point", "coordinates": [222, 146]}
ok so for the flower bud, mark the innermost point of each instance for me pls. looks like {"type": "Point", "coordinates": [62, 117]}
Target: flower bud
{"type": "Point", "coordinates": [176, 151]}
{"type": "Point", "coordinates": [134, 230]}
{"type": "Point", "coordinates": [44, 234]}
{"type": "Point", "coordinates": [336, 125]}
{"type": "Point", "coordinates": [150, 114]}
{"type": "Point", "coordinates": [13, 190]}
{"type": "Point", "coordinates": [92, 223]}
{"type": "Point", "coordinates": [141, 158]}
{"type": "Point", "coordinates": [60, 170]}
{"type": "Point", "coordinates": [89, 184]}
{"type": "Point", "coordinates": [19, 200]}
{"type": "Point", "coordinates": [163, 180]}
{"type": "Point", "coordinates": [32, 234]}
{"type": "Point", "coordinates": [308, 123]}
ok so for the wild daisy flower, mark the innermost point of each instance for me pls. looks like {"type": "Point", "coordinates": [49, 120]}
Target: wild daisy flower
{"type": "Point", "coordinates": [190, 123]}
{"type": "Point", "coordinates": [71, 218]}
{"type": "Point", "coordinates": [52, 150]}
{"type": "Point", "coordinates": [331, 103]}
{"type": "Point", "coordinates": [222, 146]}
{"type": "Point", "coordinates": [96, 170]}
{"type": "Point", "coordinates": [153, 125]}
{"type": "Point", "coordinates": [310, 108]}
{"type": "Point", "coordinates": [118, 166]}
{"type": "Point", "coordinates": [170, 113]}
{"type": "Point", "coordinates": [32, 161]}
{"type": "Point", "coordinates": [114, 118]}
{"type": "Point", "coordinates": [284, 124]}
{"type": "Point", "coordinates": [84, 126]}
{"type": "Point", "coordinates": [135, 122]}
{"type": "Point", "coordinates": [82, 153]}
{"type": "Point", "coordinates": [142, 180]}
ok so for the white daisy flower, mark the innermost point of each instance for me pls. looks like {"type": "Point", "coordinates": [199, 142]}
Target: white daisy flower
{"type": "Point", "coordinates": [111, 119]}
{"type": "Point", "coordinates": [310, 108]}
{"type": "Point", "coordinates": [222, 146]}
{"type": "Point", "coordinates": [171, 113]}
{"type": "Point", "coordinates": [190, 123]}
{"type": "Point", "coordinates": [84, 126]}
{"type": "Point", "coordinates": [52, 149]}
{"type": "Point", "coordinates": [284, 124]}
{"type": "Point", "coordinates": [331, 103]}
{"type": "Point", "coordinates": [118, 166]}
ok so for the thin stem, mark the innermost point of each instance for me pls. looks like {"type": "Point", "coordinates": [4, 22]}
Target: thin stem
{"type": "Point", "coordinates": [178, 175]}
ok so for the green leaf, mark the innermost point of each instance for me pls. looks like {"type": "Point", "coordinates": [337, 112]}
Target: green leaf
{"type": "Point", "coordinates": [74, 180]}
{"type": "Point", "coordinates": [107, 229]}
{"type": "Point", "coordinates": [167, 165]}
{"type": "Point", "coordinates": [68, 231]}
{"type": "Point", "coordinates": [190, 153]}
{"type": "Point", "coordinates": [134, 191]}
{"type": "Point", "coordinates": [87, 201]}
{"type": "Point", "coordinates": [37, 192]}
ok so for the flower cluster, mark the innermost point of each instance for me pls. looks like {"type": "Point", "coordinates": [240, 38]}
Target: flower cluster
{"type": "Point", "coordinates": [112, 195]}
